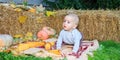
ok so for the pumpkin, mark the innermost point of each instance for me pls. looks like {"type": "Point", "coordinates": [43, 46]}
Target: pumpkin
{"type": "Point", "coordinates": [5, 40]}
{"type": "Point", "coordinates": [45, 33]}
{"type": "Point", "coordinates": [42, 35]}
{"type": "Point", "coordinates": [49, 30]}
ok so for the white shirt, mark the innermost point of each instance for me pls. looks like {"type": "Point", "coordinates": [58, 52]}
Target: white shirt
{"type": "Point", "coordinates": [72, 37]}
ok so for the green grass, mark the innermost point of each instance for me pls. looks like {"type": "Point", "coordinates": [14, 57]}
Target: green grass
{"type": "Point", "coordinates": [10, 56]}
{"type": "Point", "coordinates": [108, 50]}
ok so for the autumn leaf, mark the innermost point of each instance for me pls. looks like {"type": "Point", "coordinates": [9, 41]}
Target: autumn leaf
{"type": "Point", "coordinates": [49, 13]}
{"type": "Point", "coordinates": [29, 34]}
{"type": "Point", "coordinates": [18, 35]}
{"type": "Point", "coordinates": [22, 19]}
{"type": "Point", "coordinates": [39, 20]}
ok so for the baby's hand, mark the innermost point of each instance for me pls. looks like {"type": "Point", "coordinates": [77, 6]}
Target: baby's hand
{"type": "Point", "coordinates": [74, 54]}
{"type": "Point", "coordinates": [62, 54]}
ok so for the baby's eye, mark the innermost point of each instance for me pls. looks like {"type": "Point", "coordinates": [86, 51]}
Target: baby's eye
{"type": "Point", "coordinates": [68, 22]}
{"type": "Point", "coordinates": [65, 21]}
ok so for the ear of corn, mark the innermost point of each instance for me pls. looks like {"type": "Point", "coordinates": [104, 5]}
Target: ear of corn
{"type": "Point", "coordinates": [27, 45]}
{"type": "Point", "coordinates": [57, 52]}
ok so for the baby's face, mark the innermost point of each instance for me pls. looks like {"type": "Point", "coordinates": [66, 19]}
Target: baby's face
{"type": "Point", "coordinates": [69, 24]}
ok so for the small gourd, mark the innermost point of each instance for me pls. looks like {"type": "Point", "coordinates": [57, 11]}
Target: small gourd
{"type": "Point", "coordinates": [5, 40]}
{"type": "Point", "coordinates": [48, 46]}
{"type": "Point", "coordinates": [45, 33]}
{"type": "Point", "coordinates": [49, 30]}
{"type": "Point", "coordinates": [42, 35]}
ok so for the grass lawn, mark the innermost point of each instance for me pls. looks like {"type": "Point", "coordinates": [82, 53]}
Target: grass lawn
{"type": "Point", "coordinates": [10, 56]}
{"type": "Point", "coordinates": [109, 50]}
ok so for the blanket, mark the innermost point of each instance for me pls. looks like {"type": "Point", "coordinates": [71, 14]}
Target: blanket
{"type": "Point", "coordinates": [87, 47]}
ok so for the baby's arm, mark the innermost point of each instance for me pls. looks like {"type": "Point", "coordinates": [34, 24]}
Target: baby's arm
{"type": "Point", "coordinates": [59, 41]}
{"type": "Point", "coordinates": [78, 37]}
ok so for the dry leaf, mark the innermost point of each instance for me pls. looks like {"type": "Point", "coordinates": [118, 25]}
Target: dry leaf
{"type": "Point", "coordinates": [49, 13]}
{"type": "Point", "coordinates": [22, 19]}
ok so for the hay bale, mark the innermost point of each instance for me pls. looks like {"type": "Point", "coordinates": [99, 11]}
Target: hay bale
{"type": "Point", "coordinates": [94, 24]}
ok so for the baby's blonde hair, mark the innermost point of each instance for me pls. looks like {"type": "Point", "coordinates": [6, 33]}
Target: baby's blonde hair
{"type": "Point", "coordinates": [74, 17]}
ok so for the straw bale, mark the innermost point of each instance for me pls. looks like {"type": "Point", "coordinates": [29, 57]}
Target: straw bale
{"type": "Point", "coordinates": [94, 24]}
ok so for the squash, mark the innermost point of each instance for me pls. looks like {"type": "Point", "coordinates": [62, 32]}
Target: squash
{"type": "Point", "coordinates": [49, 30]}
{"type": "Point", "coordinates": [45, 33]}
{"type": "Point", "coordinates": [48, 46]}
{"type": "Point", "coordinates": [42, 35]}
{"type": "Point", "coordinates": [5, 40]}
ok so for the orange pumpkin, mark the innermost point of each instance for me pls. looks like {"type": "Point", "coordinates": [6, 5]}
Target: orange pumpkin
{"type": "Point", "coordinates": [49, 30]}
{"type": "Point", "coordinates": [45, 33]}
{"type": "Point", "coordinates": [42, 35]}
